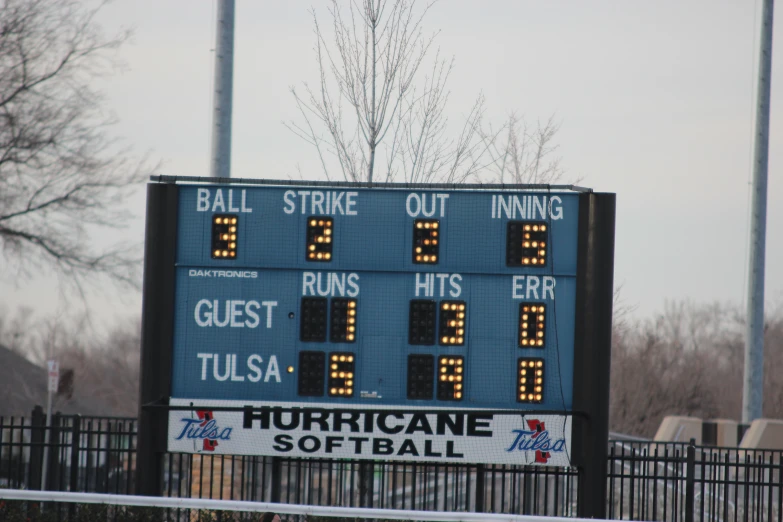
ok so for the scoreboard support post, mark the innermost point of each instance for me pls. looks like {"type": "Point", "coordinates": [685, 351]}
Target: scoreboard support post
{"type": "Point", "coordinates": [592, 350]}
{"type": "Point", "coordinates": [157, 330]}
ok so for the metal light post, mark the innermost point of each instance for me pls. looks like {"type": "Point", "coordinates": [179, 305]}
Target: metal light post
{"type": "Point", "coordinates": [752, 395]}
{"type": "Point", "coordinates": [220, 166]}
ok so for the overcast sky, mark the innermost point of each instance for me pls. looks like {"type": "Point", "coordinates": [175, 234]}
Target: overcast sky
{"type": "Point", "coordinates": [656, 102]}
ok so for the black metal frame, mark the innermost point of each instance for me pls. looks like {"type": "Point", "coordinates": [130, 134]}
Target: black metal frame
{"type": "Point", "coordinates": [157, 330]}
{"type": "Point", "coordinates": [592, 348]}
{"type": "Point", "coordinates": [357, 184]}
{"type": "Point", "coordinates": [592, 345]}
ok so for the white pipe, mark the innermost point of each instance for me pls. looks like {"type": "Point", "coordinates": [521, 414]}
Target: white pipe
{"type": "Point", "coordinates": [289, 509]}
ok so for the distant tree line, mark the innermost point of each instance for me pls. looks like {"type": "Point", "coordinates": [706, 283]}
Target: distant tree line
{"type": "Point", "coordinates": [688, 360]}
{"type": "Point", "coordinates": [92, 364]}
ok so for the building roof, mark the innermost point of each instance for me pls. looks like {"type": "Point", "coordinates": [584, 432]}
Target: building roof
{"type": "Point", "coordinates": [23, 385]}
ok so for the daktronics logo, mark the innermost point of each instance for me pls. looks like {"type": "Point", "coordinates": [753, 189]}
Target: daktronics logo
{"type": "Point", "coordinates": [204, 428]}
{"type": "Point", "coordinates": [239, 274]}
{"type": "Point", "coordinates": [536, 439]}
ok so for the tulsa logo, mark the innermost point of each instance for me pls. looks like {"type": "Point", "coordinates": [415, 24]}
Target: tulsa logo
{"type": "Point", "coordinates": [204, 428]}
{"type": "Point", "coordinates": [536, 439]}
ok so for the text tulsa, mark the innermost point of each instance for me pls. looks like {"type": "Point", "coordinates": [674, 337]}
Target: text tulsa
{"type": "Point", "coordinates": [526, 442]}
{"type": "Point", "coordinates": [193, 430]}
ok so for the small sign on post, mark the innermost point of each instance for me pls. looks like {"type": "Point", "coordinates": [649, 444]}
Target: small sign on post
{"type": "Point", "coordinates": [54, 375]}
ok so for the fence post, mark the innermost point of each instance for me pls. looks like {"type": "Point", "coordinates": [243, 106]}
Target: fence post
{"type": "Point", "coordinates": [37, 422]}
{"type": "Point", "coordinates": [366, 470]}
{"type": "Point", "coordinates": [277, 479]}
{"type": "Point", "coordinates": [527, 491]}
{"type": "Point", "coordinates": [53, 478]}
{"type": "Point", "coordinates": [690, 480]}
{"type": "Point", "coordinates": [76, 434]}
{"type": "Point", "coordinates": [480, 488]}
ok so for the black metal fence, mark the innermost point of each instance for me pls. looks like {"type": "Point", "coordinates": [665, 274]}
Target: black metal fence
{"type": "Point", "coordinates": [685, 482]}
{"type": "Point", "coordinates": [93, 454]}
{"type": "Point", "coordinates": [646, 481]}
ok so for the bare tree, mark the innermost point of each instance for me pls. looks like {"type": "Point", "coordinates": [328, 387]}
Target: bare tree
{"type": "Point", "coordinates": [685, 361]}
{"type": "Point", "coordinates": [16, 329]}
{"type": "Point", "coordinates": [61, 176]}
{"type": "Point", "coordinates": [376, 88]}
{"type": "Point", "coordinates": [522, 153]}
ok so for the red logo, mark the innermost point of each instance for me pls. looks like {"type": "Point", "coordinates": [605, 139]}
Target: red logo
{"type": "Point", "coordinates": [538, 427]}
{"type": "Point", "coordinates": [207, 418]}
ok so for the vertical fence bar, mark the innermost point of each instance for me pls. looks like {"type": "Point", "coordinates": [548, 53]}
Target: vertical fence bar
{"type": "Point", "coordinates": [677, 478]}
{"type": "Point", "coordinates": [276, 479]}
{"type": "Point", "coordinates": [690, 483]}
{"type": "Point", "coordinates": [644, 489]}
{"type": "Point", "coordinates": [655, 485]}
{"type": "Point", "coordinates": [631, 483]}
{"type": "Point", "coordinates": [747, 485]}
{"type": "Point", "coordinates": [37, 422]}
{"type": "Point", "coordinates": [713, 488]}
{"type": "Point", "coordinates": [480, 488]}
{"type": "Point", "coordinates": [610, 479]}
{"type": "Point", "coordinates": [776, 478]}
{"type": "Point", "coordinates": [76, 434]}
{"type": "Point", "coordinates": [492, 484]}
{"type": "Point", "coordinates": [366, 471]}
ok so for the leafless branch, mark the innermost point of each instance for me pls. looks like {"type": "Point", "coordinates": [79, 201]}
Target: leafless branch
{"type": "Point", "coordinates": [61, 176]}
{"type": "Point", "coordinates": [526, 154]}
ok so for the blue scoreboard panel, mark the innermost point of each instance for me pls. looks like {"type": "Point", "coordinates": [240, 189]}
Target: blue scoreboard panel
{"type": "Point", "coordinates": [305, 315]}
{"type": "Point", "coordinates": [375, 297]}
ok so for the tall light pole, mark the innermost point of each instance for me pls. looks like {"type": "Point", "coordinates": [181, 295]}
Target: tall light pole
{"type": "Point", "coordinates": [753, 382]}
{"type": "Point", "coordinates": [220, 166]}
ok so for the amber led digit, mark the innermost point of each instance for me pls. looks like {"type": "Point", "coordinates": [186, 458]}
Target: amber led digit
{"type": "Point", "coordinates": [343, 320]}
{"type": "Point", "coordinates": [527, 243]}
{"type": "Point", "coordinates": [224, 236]}
{"type": "Point", "coordinates": [532, 325]}
{"type": "Point", "coordinates": [530, 380]}
{"type": "Point", "coordinates": [341, 374]}
{"type": "Point", "coordinates": [320, 238]}
{"type": "Point", "coordinates": [451, 378]}
{"type": "Point", "coordinates": [426, 241]}
{"type": "Point", "coordinates": [453, 321]}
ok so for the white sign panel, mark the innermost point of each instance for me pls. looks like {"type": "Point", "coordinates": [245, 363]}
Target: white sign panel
{"type": "Point", "coordinates": [54, 375]}
{"type": "Point", "coordinates": [456, 436]}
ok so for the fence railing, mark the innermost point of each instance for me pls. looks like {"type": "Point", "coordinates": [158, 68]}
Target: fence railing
{"type": "Point", "coordinates": [646, 480]}
{"type": "Point", "coordinates": [684, 482]}
{"type": "Point", "coordinates": [94, 454]}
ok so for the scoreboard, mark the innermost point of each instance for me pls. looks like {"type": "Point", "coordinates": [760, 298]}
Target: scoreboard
{"type": "Point", "coordinates": [437, 323]}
